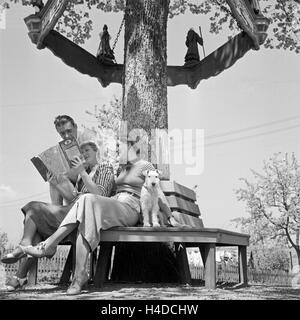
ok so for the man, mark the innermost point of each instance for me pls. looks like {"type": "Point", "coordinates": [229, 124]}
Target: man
{"type": "Point", "coordinates": [66, 128]}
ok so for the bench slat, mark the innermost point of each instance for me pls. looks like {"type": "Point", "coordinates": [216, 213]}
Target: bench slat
{"type": "Point", "coordinates": [182, 205]}
{"type": "Point", "coordinates": [188, 219]}
{"type": "Point", "coordinates": [173, 187]}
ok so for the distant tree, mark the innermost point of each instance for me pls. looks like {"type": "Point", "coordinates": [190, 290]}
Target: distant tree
{"type": "Point", "coordinates": [3, 240]}
{"type": "Point", "coordinates": [273, 202]}
{"type": "Point", "coordinates": [268, 250]}
{"type": "Point", "coordinates": [270, 257]}
{"type": "Point", "coordinates": [107, 119]}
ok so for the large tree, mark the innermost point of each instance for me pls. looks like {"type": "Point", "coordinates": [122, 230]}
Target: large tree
{"type": "Point", "coordinates": [273, 201]}
{"type": "Point", "coordinates": [145, 69]}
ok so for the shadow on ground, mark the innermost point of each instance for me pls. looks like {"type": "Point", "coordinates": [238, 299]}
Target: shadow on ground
{"type": "Point", "coordinates": [142, 291]}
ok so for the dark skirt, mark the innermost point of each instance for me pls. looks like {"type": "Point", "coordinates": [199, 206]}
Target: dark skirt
{"type": "Point", "coordinates": [46, 216]}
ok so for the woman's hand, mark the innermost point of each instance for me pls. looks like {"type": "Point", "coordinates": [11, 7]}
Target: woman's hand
{"type": "Point", "coordinates": [51, 178]}
{"type": "Point", "coordinates": [78, 165]}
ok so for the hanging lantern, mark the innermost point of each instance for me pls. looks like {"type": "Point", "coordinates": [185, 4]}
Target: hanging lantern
{"type": "Point", "coordinates": [262, 24]}
{"type": "Point", "coordinates": [33, 23]}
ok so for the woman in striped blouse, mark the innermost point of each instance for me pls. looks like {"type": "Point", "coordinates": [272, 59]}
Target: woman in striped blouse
{"type": "Point", "coordinates": [43, 219]}
{"type": "Point", "coordinates": [92, 213]}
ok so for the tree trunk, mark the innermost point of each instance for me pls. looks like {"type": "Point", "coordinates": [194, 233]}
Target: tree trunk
{"type": "Point", "coordinates": [145, 65]}
{"type": "Point", "coordinates": [145, 107]}
{"type": "Point", "coordinates": [298, 256]}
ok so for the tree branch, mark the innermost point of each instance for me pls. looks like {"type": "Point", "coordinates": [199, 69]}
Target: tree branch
{"type": "Point", "coordinates": [223, 8]}
{"type": "Point", "coordinates": [290, 239]}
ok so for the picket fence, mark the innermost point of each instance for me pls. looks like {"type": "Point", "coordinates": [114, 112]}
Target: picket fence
{"type": "Point", "coordinates": [51, 270]}
{"type": "Point", "coordinates": [230, 274]}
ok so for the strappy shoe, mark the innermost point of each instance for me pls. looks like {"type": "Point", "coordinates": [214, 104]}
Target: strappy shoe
{"type": "Point", "coordinates": [77, 285]}
{"type": "Point", "coordinates": [40, 251]}
{"type": "Point", "coordinates": [16, 283]}
{"type": "Point", "coordinates": [14, 256]}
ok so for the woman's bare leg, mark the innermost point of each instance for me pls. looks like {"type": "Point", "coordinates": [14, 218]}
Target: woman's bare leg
{"type": "Point", "coordinates": [26, 263]}
{"type": "Point", "coordinates": [29, 231]}
{"type": "Point", "coordinates": [59, 235]}
{"type": "Point", "coordinates": [48, 247]}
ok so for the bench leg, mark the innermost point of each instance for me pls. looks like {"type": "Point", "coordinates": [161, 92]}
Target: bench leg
{"type": "Point", "coordinates": [93, 261]}
{"type": "Point", "coordinates": [32, 271]}
{"type": "Point", "coordinates": [183, 264]}
{"type": "Point", "coordinates": [202, 253]}
{"type": "Point", "coordinates": [243, 277]}
{"type": "Point", "coordinates": [69, 266]}
{"type": "Point", "coordinates": [103, 264]}
{"type": "Point", "coordinates": [208, 254]}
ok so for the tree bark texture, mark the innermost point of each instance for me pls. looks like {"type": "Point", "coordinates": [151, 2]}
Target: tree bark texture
{"type": "Point", "coordinates": [145, 107]}
{"type": "Point", "coordinates": [145, 65]}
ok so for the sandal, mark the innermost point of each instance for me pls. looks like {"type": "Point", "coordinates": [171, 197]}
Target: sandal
{"type": "Point", "coordinates": [40, 251]}
{"type": "Point", "coordinates": [16, 283]}
{"type": "Point", "coordinates": [77, 285]}
{"type": "Point", "coordinates": [14, 256]}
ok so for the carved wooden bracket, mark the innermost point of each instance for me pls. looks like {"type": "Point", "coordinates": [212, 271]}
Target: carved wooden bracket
{"type": "Point", "coordinates": [41, 33]}
{"type": "Point", "coordinates": [84, 62]}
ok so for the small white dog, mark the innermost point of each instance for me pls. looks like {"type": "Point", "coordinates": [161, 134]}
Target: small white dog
{"type": "Point", "coordinates": [150, 194]}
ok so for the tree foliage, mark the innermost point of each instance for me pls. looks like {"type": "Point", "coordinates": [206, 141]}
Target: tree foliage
{"type": "Point", "coordinates": [106, 129]}
{"type": "Point", "coordinates": [284, 31]}
{"type": "Point", "coordinates": [273, 202]}
{"type": "Point", "coordinates": [270, 258]}
{"type": "Point", "coordinates": [3, 240]}
{"type": "Point", "coordinates": [269, 249]}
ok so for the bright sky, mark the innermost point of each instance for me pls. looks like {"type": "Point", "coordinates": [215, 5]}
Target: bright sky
{"type": "Point", "coordinates": [248, 112]}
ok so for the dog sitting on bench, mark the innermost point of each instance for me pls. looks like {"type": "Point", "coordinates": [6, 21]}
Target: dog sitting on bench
{"type": "Point", "coordinates": [150, 194]}
{"type": "Point", "coordinates": [154, 205]}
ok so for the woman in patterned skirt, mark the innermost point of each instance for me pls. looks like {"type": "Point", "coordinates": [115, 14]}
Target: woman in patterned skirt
{"type": "Point", "coordinates": [43, 219]}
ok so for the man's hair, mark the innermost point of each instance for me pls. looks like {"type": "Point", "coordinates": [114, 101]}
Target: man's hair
{"type": "Point", "coordinates": [61, 120]}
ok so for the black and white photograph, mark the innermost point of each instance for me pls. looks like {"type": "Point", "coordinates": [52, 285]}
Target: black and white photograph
{"type": "Point", "coordinates": [149, 151]}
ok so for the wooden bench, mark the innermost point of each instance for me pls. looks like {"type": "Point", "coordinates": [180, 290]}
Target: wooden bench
{"type": "Point", "coordinates": [182, 201]}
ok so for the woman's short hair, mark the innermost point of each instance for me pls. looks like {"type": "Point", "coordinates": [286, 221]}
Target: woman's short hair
{"type": "Point", "coordinates": [63, 119]}
{"type": "Point", "coordinates": [92, 144]}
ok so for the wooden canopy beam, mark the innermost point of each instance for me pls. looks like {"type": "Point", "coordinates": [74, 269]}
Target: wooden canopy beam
{"type": "Point", "coordinates": [41, 33]}
{"type": "Point", "coordinates": [84, 62]}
